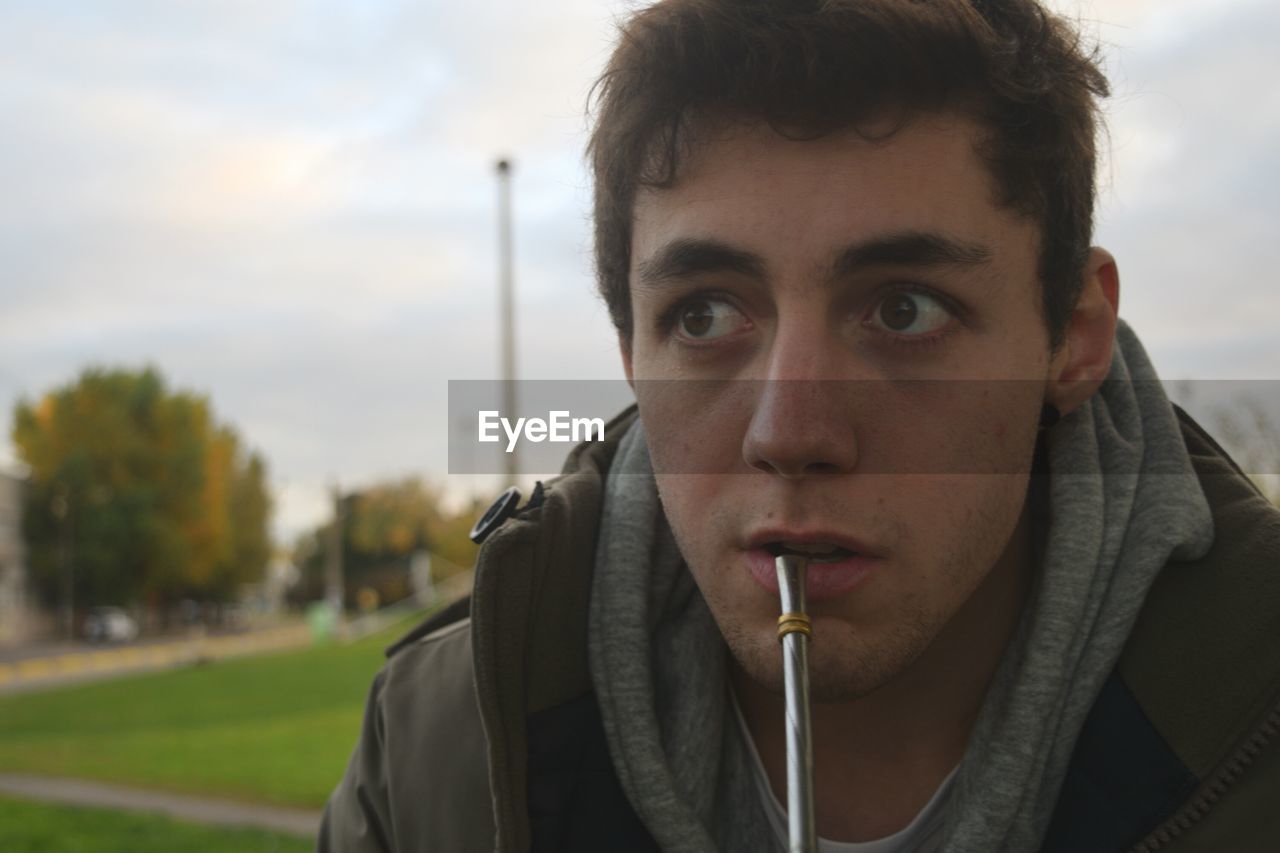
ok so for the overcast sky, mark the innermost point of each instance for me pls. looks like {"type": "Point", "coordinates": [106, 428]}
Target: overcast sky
{"type": "Point", "coordinates": [290, 206]}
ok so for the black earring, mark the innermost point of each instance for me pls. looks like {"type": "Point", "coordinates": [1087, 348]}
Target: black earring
{"type": "Point", "coordinates": [1049, 415]}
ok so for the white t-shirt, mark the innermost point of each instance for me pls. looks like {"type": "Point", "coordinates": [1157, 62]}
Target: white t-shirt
{"type": "Point", "coordinates": [922, 835]}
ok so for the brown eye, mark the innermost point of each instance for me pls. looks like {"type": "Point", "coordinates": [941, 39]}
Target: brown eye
{"type": "Point", "coordinates": [898, 312]}
{"type": "Point", "coordinates": [707, 319]}
{"type": "Point", "coordinates": [911, 314]}
{"type": "Point", "coordinates": [697, 319]}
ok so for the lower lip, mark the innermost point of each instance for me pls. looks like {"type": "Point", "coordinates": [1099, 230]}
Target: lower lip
{"type": "Point", "coordinates": [822, 581]}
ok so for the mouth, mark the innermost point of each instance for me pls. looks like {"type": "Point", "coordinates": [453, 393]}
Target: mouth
{"type": "Point", "coordinates": [822, 546]}
{"type": "Point", "coordinates": [814, 552]}
{"type": "Point", "coordinates": [837, 563]}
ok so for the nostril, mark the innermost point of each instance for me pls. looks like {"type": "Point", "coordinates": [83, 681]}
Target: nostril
{"type": "Point", "coordinates": [795, 471]}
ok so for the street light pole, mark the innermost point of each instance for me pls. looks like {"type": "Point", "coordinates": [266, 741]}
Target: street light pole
{"type": "Point", "coordinates": [506, 292]}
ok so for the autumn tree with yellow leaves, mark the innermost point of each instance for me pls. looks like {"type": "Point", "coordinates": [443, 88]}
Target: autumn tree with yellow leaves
{"type": "Point", "coordinates": [139, 493]}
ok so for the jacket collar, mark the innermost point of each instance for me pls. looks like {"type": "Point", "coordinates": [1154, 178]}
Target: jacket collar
{"type": "Point", "coordinates": [529, 619]}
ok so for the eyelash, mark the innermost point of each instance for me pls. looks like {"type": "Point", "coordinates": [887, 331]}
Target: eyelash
{"type": "Point", "coordinates": [670, 316]}
{"type": "Point", "coordinates": [666, 321]}
{"type": "Point", "coordinates": [915, 342]}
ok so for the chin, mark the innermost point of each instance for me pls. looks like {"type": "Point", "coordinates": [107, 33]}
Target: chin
{"type": "Point", "coordinates": [844, 663]}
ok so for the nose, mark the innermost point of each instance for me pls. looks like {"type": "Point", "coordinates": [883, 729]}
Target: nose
{"type": "Point", "coordinates": [802, 423]}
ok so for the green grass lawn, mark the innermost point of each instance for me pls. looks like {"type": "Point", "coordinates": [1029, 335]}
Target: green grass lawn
{"type": "Point", "coordinates": [277, 728]}
{"type": "Point", "coordinates": [39, 828]}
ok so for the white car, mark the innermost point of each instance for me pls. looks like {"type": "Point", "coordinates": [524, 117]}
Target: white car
{"type": "Point", "coordinates": [110, 625]}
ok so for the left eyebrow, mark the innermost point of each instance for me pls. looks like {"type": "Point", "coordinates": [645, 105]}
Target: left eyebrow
{"type": "Point", "coordinates": [910, 248]}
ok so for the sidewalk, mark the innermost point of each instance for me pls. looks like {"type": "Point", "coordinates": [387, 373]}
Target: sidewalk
{"type": "Point", "coordinates": [75, 792]}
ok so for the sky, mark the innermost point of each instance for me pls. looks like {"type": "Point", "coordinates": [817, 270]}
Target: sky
{"type": "Point", "coordinates": [291, 207]}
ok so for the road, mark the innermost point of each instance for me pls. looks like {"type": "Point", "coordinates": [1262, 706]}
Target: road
{"type": "Point", "coordinates": [56, 648]}
{"type": "Point", "coordinates": [54, 664]}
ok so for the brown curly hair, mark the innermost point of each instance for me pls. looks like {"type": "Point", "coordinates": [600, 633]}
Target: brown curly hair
{"type": "Point", "coordinates": [811, 67]}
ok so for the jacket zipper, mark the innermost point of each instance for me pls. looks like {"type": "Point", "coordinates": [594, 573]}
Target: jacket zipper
{"type": "Point", "coordinates": [1208, 794]}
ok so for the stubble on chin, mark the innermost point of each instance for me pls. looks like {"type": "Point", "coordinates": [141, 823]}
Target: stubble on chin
{"type": "Point", "coordinates": [846, 661]}
{"type": "Point", "coordinates": [845, 664]}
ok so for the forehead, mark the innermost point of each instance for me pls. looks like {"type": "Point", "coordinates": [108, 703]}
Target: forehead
{"type": "Point", "coordinates": [792, 201]}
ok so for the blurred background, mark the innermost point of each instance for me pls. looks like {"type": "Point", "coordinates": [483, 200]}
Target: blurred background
{"type": "Point", "coordinates": [244, 246]}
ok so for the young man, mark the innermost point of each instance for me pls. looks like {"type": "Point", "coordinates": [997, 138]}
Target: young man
{"type": "Point", "coordinates": [846, 248]}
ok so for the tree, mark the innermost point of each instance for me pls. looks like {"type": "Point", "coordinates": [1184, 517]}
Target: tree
{"type": "Point", "coordinates": [383, 525]}
{"type": "Point", "coordinates": [137, 493]}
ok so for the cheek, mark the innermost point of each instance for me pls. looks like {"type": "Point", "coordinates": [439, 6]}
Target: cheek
{"type": "Point", "coordinates": [689, 502]}
{"type": "Point", "coordinates": [1001, 433]}
{"type": "Point", "coordinates": [694, 506]}
{"type": "Point", "coordinates": [971, 520]}
{"type": "Point", "coordinates": [954, 428]}
{"type": "Point", "coordinates": [693, 426]}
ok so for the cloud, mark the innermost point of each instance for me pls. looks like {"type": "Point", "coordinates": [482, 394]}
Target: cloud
{"type": "Point", "coordinates": [1195, 149]}
{"type": "Point", "coordinates": [291, 207]}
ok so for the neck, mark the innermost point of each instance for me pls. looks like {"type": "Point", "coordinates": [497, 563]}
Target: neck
{"type": "Point", "coordinates": [878, 759]}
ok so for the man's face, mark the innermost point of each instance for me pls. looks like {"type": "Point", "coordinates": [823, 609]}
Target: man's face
{"type": "Point", "coordinates": [869, 303]}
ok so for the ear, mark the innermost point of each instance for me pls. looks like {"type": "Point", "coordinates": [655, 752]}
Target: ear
{"type": "Point", "coordinates": [1082, 361]}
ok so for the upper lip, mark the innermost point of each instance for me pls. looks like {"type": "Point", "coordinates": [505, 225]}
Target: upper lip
{"type": "Point", "coordinates": [805, 537]}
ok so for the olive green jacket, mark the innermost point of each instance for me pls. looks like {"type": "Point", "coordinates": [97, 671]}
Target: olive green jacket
{"type": "Point", "coordinates": [443, 759]}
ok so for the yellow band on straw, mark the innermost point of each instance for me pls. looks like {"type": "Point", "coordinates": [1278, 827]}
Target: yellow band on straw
{"type": "Point", "coordinates": [789, 623]}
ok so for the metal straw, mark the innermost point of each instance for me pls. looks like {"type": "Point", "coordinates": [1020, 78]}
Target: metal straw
{"type": "Point", "coordinates": [794, 633]}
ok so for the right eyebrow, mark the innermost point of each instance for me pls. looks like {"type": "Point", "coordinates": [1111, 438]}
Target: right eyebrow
{"type": "Point", "coordinates": [687, 257]}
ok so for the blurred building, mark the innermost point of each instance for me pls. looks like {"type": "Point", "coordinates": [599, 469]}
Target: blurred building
{"type": "Point", "coordinates": [268, 597]}
{"type": "Point", "coordinates": [14, 606]}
